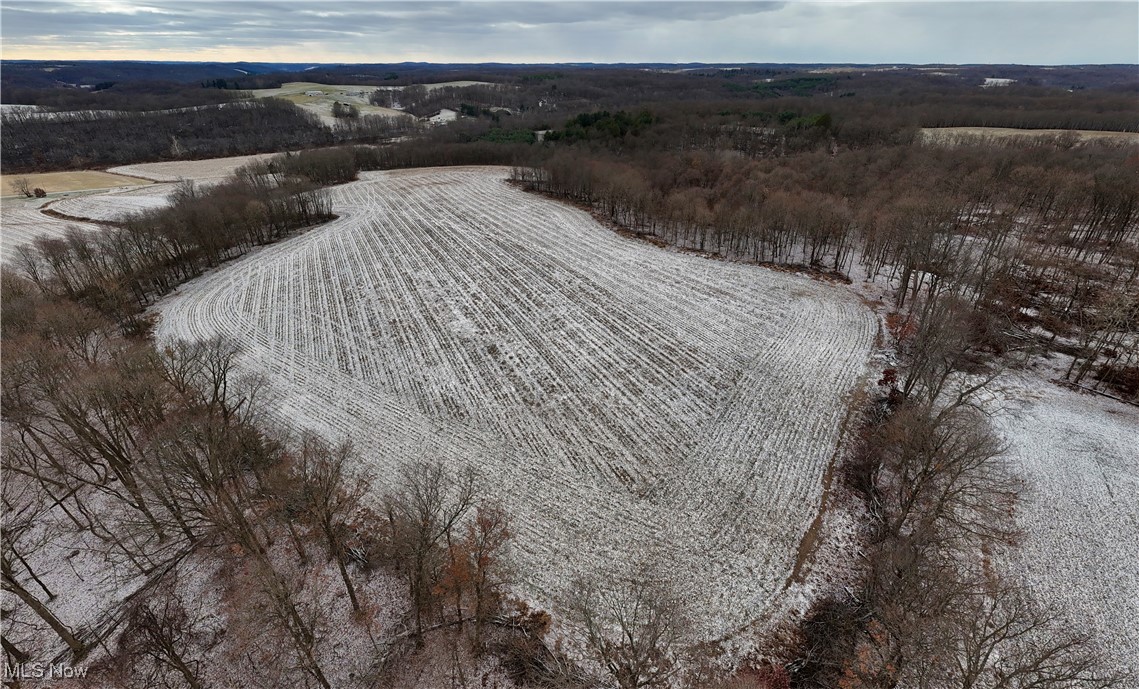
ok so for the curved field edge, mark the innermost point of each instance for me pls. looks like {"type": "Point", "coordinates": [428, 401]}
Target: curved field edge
{"type": "Point", "coordinates": [20, 225]}
{"type": "Point", "coordinates": [1079, 458]}
{"type": "Point", "coordinates": [631, 406]}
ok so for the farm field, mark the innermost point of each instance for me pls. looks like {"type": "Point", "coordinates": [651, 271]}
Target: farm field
{"type": "Point", "coordinates": [20, 223]}
{"type": "Point", "coordinates": [940, 135]}
{"type": "Point", "coordinates": [321, 105]}
{"type": "Point", "coordinates": [55, 182]}
{"type": "Point", "coordinates": [22, 220]}
{"type": "Point", "coordinates": [1079, 459]}
{"type": "Point", "coordinates": [631, 406]}
{"type": "Point", "coordinates": [115, 205]}
{"type": "Point", "coordinates": [455, 84]}
{"type": "Point", "coordinates": [292, 88]}
{"type": "Point", "coordinates": [205, 170]}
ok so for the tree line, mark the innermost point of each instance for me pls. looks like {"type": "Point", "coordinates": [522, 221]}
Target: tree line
{"type": "Point", "coordinates": [33, 142]}
{"type": "Point", "coordinates": [1042, 241]}
{"type": "Point", "coordinates": [137, 96]}
{"type": "Point", "coordinates": [697, 110]}
{"type": "Point", "coordinates": [162, 459]}
{"type": "Point", "coordinates": [121, 269]}
{"type": "Point", "coordinates": [934, 610]}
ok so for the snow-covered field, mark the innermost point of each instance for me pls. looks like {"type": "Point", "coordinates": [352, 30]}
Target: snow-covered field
{"type": "Point", "coordinates": [630, 405]}
{"type": "Point", "coordinates": [441, 85]}
{"type": "Point", "coordinates": [41, 113]}
{"type": "Point", "coordinates": [115, 206]}
{"type": "Point", "coordinates": [20, 223]}
{"type": "Point", "coordinates": [990, 82]}
{"type": "Point", "coordinates": [952, 135]}
{"type": "Point", "coordinates": [173, 171]}
{"type": "Point", "coordinates": [318, 99]}
{"type": "Point", "coordinates": [1079, 457]}
{"type": "Point", "coordinates": [443, 116]}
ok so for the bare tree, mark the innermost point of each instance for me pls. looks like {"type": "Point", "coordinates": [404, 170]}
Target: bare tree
{"type": "Point", "coordinates": [24, 509]}
{"type": "Point", "coordinates": [486, 539]}
{"type": "Point", "coordinates": [1010, 642]}
{"type": "Point", "coordinates": [331, 498]}
{"type": "Point", "coordinates": [943, 472]}
{"type": "Point", "coordinates": [23, 185]}
{"type": "Point", "coordinates": [421, 517]}
{"type": "Point", "coordinates": [10, 583]}
{"type": "Point", "coordinates": [161, 630]}
{"type": "Point", "coordinates": [634, 629]}
{"type": "Point", "coordinates": [997, 637]}
{"type": "Point", "coordinates": [934, 613]}
{"type": "Point", "coordinates": [283, 610]}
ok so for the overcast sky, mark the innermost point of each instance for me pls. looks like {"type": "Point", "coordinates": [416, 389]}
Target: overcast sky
{"type": "Point", "coordinates": [974, 31]}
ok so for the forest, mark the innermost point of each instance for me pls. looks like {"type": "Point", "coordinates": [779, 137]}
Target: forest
{"type": "Point", "coordinates": [694, 109]}
{"type": "Point", "coordinates": [86, 139]}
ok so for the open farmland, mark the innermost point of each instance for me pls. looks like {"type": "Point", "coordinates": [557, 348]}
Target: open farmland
{"type": "Point", "coordinates": [22, 223]}
{"type": "Point", "coordinates": [55, 182]}
{"type": "Point", "coordinates": [206, 170]}
{"type": "Point", "coordinates": [115, 206]}
{"type": "Point", "coordinates": [1079, 457]}
{"type": "Point", "coordinates": [950, 135]}
{"type": "Point", "coordinates": [630, 405]}
{"type": "Point", "coordinates": [318, 98]}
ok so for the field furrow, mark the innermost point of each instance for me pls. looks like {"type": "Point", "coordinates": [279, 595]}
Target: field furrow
{"type": "Point", "coordinates": [629, 405]}
{"type": "Point", "coordinates": [176, 170]}
{"type": "Point", "coordinates": [19, 226]}
{"type": "Point", "coordinates": [115, 206]}
{"type": "Point", "coordinates": [1079, 457]}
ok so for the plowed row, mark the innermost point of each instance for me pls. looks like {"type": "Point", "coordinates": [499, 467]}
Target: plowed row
{"type": "Point", "coordinates": [21, 225]}
{"type": "Point", "coordinates": [629, 405]}
{"type": "Point", "coordinates": [1079, 457]}
{"type": "Point", "coordinates": [115, 206]}
{"type": "Point", "coordinates": [173, 171]}
{"type": "Point", "coordinates": [20, 222]}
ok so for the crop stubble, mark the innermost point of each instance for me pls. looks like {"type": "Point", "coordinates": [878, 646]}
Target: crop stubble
{"type": "Point", "coordinates": [629, 405]}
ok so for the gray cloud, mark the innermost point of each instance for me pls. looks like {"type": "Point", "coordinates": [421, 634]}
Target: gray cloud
{"type": "Point", "coordinates": [347, 31]}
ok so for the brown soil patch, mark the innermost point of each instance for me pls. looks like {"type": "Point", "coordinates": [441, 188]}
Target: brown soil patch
{"type": "Point", "coordinates": [79, 180]}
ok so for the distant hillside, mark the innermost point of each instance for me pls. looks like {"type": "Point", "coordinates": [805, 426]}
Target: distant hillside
{"type": "Point", "coordinates": [92, 73]}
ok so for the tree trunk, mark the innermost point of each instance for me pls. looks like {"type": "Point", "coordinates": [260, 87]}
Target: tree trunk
{"type": "Point", "coordinates": [50, 595]}
{"type": "Point", "coordinates": [347, 583]}
{"type": "Point", "coordinates": [180, 665]}
{"type": "Point", "coordinates": [12, 651]}
{"type": "Point", "coordinates": [10, 584]}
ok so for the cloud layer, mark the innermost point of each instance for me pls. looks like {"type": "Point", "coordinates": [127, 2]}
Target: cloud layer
{"type": "Point", "coordinates": [1041, 32]}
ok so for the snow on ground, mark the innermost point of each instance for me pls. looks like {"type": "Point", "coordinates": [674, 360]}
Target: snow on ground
{"type": "Point", "coordinates": [41, 113]}
{"type": "Point", "coordinates": [85, 582]}
{"type": "Point", "coordinates": [630, 405]}
{"type": "Point", "coordinates": [441, 85]}
{"type": "Point", "coordinates": [21, 222]}
{"type": "Point", "coordinates": [318, 99]}
{"type": "Point", "coordinates": [952, 135]}
{"type": "Point", "coordinates": [1079, 457]}
{"type": "Point", "coordinates": [443, 116]}
{"type": "Point", "coordinates": [14, 108]}
{"type": "Point", "coordinates": [173, 171]}
{"type": "Point", "coordinates": [115, 206]}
